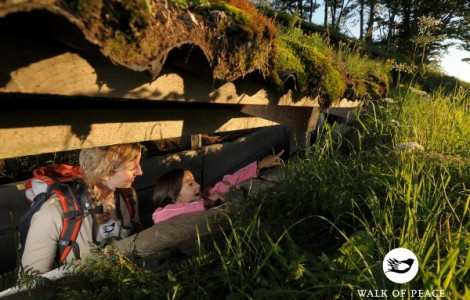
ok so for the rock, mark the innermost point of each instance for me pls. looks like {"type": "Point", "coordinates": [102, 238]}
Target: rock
{"type": "Point", "coordinates": [410, 146]}
{"type": "Point", "coordinates": [190, 19]}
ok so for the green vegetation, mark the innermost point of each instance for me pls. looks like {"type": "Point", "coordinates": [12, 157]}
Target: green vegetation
{"type": "Point", "coordinates": [322, 234]}
{"type": "Point", "coordinates": [326, 70]}
{"type": "Point", "coordinates": [245, 38]}
{"type": "Point", "coordinates": [316, 76]}
{"type": "Point", "coordinates": [328, 64]}
{"type": "Point", "coordinates": [348, 199]}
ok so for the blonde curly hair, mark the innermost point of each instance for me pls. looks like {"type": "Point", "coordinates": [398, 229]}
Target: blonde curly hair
{"type": "Point", "coordinates": [100, 162]}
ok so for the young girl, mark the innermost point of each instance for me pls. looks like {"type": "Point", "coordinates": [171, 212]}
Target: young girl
{"type": "Point", "coordinates": [108, 174]}
{"type": "Point", "coordinates": [177, 192]}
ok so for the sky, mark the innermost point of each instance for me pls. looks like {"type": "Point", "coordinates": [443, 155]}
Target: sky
{"type": "Point", "coordinates": [453, 65]}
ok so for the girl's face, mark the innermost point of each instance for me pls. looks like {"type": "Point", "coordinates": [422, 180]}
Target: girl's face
{"type": "Point", "coordinates": [189, 189]}
{"type": "Point", "coordinates": [125, 177]}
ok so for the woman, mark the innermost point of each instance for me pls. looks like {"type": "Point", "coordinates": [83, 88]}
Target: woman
{"type": "Point", "coordinates": [177, 192]}
{"type": "Point", "coordinates": [108, 174]}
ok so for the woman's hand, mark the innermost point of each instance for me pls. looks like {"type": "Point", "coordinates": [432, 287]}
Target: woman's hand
{"type": "Point", "coordinates": [270, 161]}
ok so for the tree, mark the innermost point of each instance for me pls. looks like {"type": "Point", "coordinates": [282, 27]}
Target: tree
{"type": "Point", "coordinates": [393, 23]}
{"type": "Point", "coordinates": [449, 13]}
{"type": "Point", "coordinates": [370, 21]}
{"type": "Point", "coordinates": [340, 11]}
{"type": "Point", "coordinates": [393, 7]}
{"type": "Point", "coordinates": [303, 8]}
{"type": "Point", "coordinates": [310, 7]}
{"type": "Point", "coordinates": [361, 19]}
{"type": "Point", "coordinates": [426, 28]}
{"type": "Point", "coordinates": [327, 5]}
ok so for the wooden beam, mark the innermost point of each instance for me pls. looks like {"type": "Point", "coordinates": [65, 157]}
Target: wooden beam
{"type": "Point", "coordinates": [34, 124]}
{"type": "Point", "coordinates": [227, 158]}
{"type": "Point", "coordinates": [55, 98]}
{"type": "Point", "coordinates": [347, 114]}
{"type": "Point", "coordinates": [300, 117]}
{"type": "Point", "coordinates": [28, 132]}
{"type": "Point", "coordinates": [192, 142]}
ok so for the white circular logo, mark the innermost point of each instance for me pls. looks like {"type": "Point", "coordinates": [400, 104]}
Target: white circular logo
{"type": "Point", "coordinates": [400, 265]}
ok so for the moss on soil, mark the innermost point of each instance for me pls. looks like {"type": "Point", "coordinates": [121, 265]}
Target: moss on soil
{"type": "Point", "coordinates": [233, 36]}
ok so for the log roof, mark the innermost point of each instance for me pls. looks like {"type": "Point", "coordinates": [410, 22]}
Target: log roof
{"type": "Point", "coordinates": [218, 38]}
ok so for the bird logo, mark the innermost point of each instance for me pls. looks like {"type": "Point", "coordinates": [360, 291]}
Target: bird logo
{"type": "Point", "coordinates": [109, 229]}
{"type": "Point", "coordinates": [400, 265]}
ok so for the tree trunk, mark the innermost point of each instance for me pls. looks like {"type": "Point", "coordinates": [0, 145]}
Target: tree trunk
{"type": "Point", "coordinates": [326, 15]}
{"type": "Point", "coordinates": [361, 20]}
{"type": "Point", "coordinates": [300, 8]}
{"type": "Point", "coordinates": [392, 10]}
{"type": "Point", "coordinates": [370, 22]}
{"type": "Point", "coordinates": [333, 14]}
{"type": "Point", "coordinates": [405, 32]}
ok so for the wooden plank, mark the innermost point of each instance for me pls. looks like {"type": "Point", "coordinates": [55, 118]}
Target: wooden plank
{"type": "Point", "coordinates": [179, 231]}
{"type": "Point", "coordinates": [227, 158]}
{"type": "Point", "coordinates": [67, 125]}
{"type": "Point", "coordinates": [75, 122]}
{"type": "Point", "coordinates": [16, 141]}
{"type": "Point", "coordinates": [47, 73]}
{"type": "Point", "coordinates": [346, 111]}
{"type": "Point", "coordinates": [211, 162]}
{"type": "Point", "coordinates": [192, 142]}
{"type": "Point", "coordinates": [301, 117]}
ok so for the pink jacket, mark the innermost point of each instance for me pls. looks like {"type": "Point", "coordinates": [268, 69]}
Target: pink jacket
{"type": "Point", "coordinates": [171, 210]}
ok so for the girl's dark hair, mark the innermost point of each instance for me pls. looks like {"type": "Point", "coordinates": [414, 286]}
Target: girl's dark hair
{"type": "Point", "coordinates": [168, 188]}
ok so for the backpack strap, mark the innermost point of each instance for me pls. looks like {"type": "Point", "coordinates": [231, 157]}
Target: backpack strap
{"type": "Point", "coordinates": [25, 221]}
{"type": "Point", "coordinates": [127, 196]}
{"type": "Point", "coordinates": [130, 204]}
{"type": "Point", "coordinates": [72, 221]}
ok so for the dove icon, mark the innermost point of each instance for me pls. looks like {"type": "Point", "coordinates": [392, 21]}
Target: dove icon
{"type": "Point", "coordinates": [398, 266]}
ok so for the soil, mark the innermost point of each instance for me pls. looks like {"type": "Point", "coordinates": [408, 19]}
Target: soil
{"type": "Point", "coordinates": [215, 40]}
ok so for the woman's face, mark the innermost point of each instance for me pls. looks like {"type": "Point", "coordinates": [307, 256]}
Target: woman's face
{"type": "Point", "coordinates": [189, 189]}
{"type": "Point", "coordinates": [125, 177]}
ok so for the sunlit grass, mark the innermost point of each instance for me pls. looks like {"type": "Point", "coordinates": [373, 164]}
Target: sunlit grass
{"type": "Point", "coordinates": [323, 233]}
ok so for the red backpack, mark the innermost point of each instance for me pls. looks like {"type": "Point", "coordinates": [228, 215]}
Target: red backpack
{"type": "Point", "coordinates": [65, 181]}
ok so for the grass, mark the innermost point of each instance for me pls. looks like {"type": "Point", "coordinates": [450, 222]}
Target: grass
{"type": "Point", "coordinates": [326, 70]}
{"type": "Point", "coordinates": [324, 232]}
{"type": "Point", "coordinates": [347, 201]}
